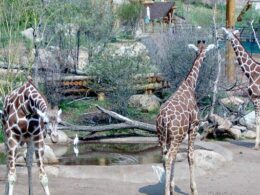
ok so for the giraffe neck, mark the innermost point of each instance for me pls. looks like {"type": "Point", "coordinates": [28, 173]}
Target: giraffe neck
{"type": "Point", "coordinates": [193, 75]}
{"type": "Point", "coordinates": [244, 59]}
{"type": "Point", "coordinates": [35, 99]}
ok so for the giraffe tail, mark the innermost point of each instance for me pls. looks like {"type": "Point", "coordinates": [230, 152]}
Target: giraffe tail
{"type": "Point", "coordinates": [160, 173]}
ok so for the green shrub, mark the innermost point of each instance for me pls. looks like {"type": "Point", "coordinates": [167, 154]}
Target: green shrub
{"type": "Point", "coordinates": [129, 14]}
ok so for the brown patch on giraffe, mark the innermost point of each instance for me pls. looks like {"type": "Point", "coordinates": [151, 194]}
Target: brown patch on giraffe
{"type": "Point", "coordinates": [11, 143]}
{"type": "Point", "coordinates": [12, 120]}
{"type": "Point", "coordinates": [252, 67]}
{"type": "Point", "coordinates": [255, 77]}
{"type": "Point", "coordinates": [39, 144]}
{"type": "Point", "coordinates": [257, 69]}
{"type": "Point", "coordinates": [16, 102]}
{"type": "Point", "coordinates": [37, 131]}
{"type": "Point", "coordinates": [240, 48]}
{"type": "Point", "coordinates": [22, 124]}
{"type": "Point", "coordinates": [244, 60]}
{"type": "Point", "coordinates": [16, 130]}
{"type": "Point", "coordinates": [255, 89]}
{"type": "Point", "coordinates": [16, 137]}
{"type": "Point", "coordinates": [20, 91]}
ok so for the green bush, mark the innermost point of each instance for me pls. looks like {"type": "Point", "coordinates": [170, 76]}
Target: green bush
{"type": "Point", "coordinates": [115, 77]}
{"type": "Point", "coordinates": [129, 14]}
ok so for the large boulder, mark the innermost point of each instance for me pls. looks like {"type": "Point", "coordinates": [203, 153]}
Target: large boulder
{"type": "Point", "coordinates": [28, 33]}
{"type": "Point", "coordinates": [145, 103]}
{"type": "Point", "coordinates": [236, 133]}
{"type": "Point", "coordinates": [48, 158]}
{"type": "Point", "coordinates": [83, 58]}
{"type": "Point", "coordinates": [2, 148]}
{"type": "Point", "coordinates": [232, 100]}
{"type": "Point", "coordinates": [249, 134]}
{"type": "Point", "coordinates": [248, 120]}
{"type": "Point", "coordinates": [63, 138]}
{"type": "Point", "coordinates": [208, 159]}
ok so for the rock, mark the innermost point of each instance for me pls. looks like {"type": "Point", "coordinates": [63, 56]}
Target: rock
{"type": "Point", "coordinates": [28, 33]}
{"type": "Point", "coordinates": [83, 58]}
{"type": "Point", "coordinates": [232, 100]}
{"type": "Point", "coordinates": [208, 159]}
{"type": "Point", "coordinates": [48, 158]}
{"type": "Point", "coordinates": [241, 128]}
{"type": "Point", "coordinates": [144, 102]}
{"type": "Point", "coordinates": [248, 120]}
{"type": "Point", "coordinates": [2, 148]}
{"type": "Point", "coordinates": [235, 132]}
{"type": "Point", "coordinates": [181, 156]}
{"type": "Point", "coordinates": [223, 124]}
{"type": "Point", "coordinates": [249, 134]}
{"type": "Point", "coordinates": [131, 49]}
{"type": "Point", "coordinates": [63, 138]}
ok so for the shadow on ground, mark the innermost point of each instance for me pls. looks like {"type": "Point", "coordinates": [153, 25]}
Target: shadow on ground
{"type": "Point", "coordinates": [245, 144]}
{"type": "Point", "coordinates": [158, 189]}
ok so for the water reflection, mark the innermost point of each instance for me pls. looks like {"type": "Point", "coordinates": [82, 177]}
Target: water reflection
{"type": "Point", "coordinates": [112, 154]}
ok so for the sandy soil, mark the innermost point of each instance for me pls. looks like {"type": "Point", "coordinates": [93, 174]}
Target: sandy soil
{"type": "Point", "coordinates": [240, 177]}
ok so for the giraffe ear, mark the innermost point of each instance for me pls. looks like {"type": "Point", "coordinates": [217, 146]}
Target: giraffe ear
{"type": "Point", "coordinates": [42, 115]}
{"type": "Point", "coordinates": [225, 30]}
{"type": "Point", "coordinates": [59, 112]}
{"type": "Point", "coordinates": [236, 32]}
{"type": "Point", "coordinates": [191, 46]}
{"type": "Point", "coordinates": [210, 47]}
{"type": "Point", "coordinates": [58, 115]}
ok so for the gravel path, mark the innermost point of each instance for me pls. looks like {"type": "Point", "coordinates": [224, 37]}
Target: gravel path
{"type": "Point", "coordinates": [239, 177]}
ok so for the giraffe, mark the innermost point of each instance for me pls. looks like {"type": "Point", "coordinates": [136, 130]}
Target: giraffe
{"type": "Point", "coordinates": [26, 119]}
{"type": "Point", "coordinates": [178, 117]}
{"type": "Point", "coordinates": [251, 68]}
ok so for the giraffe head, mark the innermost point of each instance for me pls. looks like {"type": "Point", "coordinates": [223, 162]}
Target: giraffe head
{"type": "Point", "coordinates": [230, 34]}
{"type": "Point", "coordinates": [51, 119]}
{"type": "Point", "coordinates": [201, 46]}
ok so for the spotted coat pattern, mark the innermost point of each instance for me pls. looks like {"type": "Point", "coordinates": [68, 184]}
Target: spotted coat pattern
{"type": "Point", "coordinates": [22, 124]}
{"type": "Point", "coordinates": [251, 68]}
{"type": "Point", "coordinates": [178, 117]}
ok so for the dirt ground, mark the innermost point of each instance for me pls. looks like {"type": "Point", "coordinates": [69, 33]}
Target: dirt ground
{"type": "Point", "coordinates": [240, 177]}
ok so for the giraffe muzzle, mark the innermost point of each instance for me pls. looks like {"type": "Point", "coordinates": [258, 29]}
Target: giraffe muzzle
{"type": "Point", "coordinates": [54, 137]}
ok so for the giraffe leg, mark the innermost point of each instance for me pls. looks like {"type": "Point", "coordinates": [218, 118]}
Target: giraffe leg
{"type": "Point", "coordinates": [169, 169]}
{"type": "Point", "coordinates": [257, 141]}
{"type": "Point", "coordinates": [191, 139]}
{"type": "Point", "coordinates": [29, 162]}
{"type": "Point", "coordinates": [11, 148]}
{"type": "Point", "coordinates": [39, 152]}
{"type": "Point", "coordinates": [257, 120]}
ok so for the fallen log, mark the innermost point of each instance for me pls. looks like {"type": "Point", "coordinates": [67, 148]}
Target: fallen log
{"type": "Point", "coordinates": [126, 124]}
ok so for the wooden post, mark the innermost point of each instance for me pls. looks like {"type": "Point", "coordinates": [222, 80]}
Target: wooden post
{"type": "Point", "coordinates": [230, 55]}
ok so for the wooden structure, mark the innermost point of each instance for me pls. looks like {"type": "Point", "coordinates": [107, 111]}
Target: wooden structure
{"type": "Point", "coordinates": [83, 85]}
{"type": "Point", "coordinates": [161, 15]}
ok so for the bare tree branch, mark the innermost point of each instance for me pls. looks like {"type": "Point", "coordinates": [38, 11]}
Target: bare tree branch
{"type": "Point", "coordinates": [251, 24]}
{"type": "Point", "coordinates": [126, 124]}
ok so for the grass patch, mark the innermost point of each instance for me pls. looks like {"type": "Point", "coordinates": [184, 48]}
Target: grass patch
{"type": "Point", "coordinates": [73, 110]}
{"type": "Point", "coordinates": [2, 137]}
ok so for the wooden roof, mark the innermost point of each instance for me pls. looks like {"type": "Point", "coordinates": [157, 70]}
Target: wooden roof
{"type": "Point", "coordinates": [158, 9]}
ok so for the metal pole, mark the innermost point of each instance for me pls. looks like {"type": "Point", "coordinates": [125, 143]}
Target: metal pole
{"type": "Point", "coordinates": [230, 55]}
